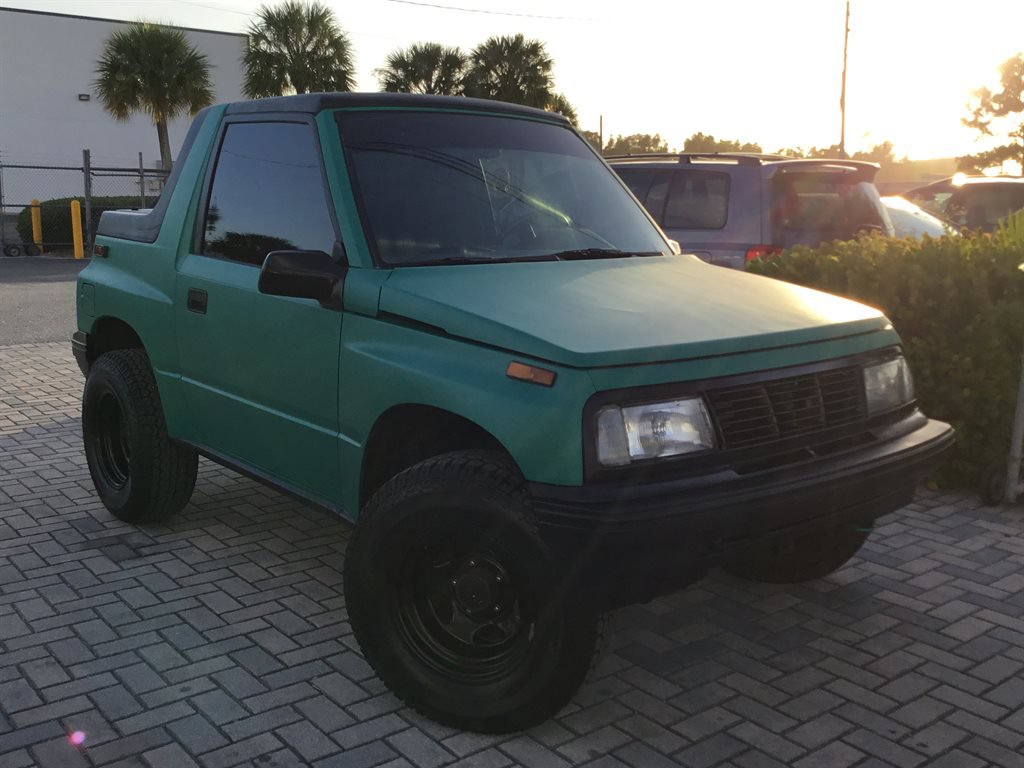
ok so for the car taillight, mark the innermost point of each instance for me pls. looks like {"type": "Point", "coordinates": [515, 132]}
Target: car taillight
{"type": "Point", "coordinates": [759, 251]}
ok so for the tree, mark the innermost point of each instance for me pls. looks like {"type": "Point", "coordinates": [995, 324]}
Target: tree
{"type": "Point", "coordinates": [424, 68]}
{"type": "Point", "coordinates": [1005, 108]}
{"type": "Point", "coordinates": [511, 68]}
{"type": "Point", "coordinates": [558, 103]}
{"type": "Point", "coordinates": [700, 142]}
{"type": "Point", "coordinates": [296, 47]}
{"type": "Point", "coordinates": [635, 143]}
{"type": "Point", "coordinates": [593, 137]}
{"type": "Point", "coordinates": [153, 69]}
{"type": "Point", "coordinates": [879, 153]}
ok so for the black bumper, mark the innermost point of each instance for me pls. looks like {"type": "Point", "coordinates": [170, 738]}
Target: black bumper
{"type": "Point", "coordinates": [633, 542]}
{"type": "Point", "coordinates": [80, 349]}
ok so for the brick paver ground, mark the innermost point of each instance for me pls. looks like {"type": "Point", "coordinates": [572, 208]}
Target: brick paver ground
{"type": "Point", "coordinates": [222, 638]}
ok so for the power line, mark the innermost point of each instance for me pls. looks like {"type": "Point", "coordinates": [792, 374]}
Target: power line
{"type": "Point", "coordinates": [490, 13]}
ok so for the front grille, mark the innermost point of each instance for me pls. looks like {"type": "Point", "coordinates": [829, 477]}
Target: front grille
{"type": "Point", "coordinates": [752, 414]}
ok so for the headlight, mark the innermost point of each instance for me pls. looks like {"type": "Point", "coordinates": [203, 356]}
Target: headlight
{"type": "Point", "coordinates": [651, 431]}
{"type": "Point", "coordinates": [888, 385]}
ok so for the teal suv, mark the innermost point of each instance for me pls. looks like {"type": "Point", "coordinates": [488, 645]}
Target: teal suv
{"type": "Point", "coordinates": [448, 321]}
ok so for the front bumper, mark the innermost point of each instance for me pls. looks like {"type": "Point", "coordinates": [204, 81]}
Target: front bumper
{"type": "Point", "coordinates": [628, 543]}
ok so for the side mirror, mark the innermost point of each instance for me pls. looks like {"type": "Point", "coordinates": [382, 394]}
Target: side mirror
{"type": "Point", "coordinates": [303, 275]}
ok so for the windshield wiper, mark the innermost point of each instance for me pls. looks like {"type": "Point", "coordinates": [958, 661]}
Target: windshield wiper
{"type": "Point", "coordinates": [580, 254]}
{"type": "Point", "coordinates": [446, 260]}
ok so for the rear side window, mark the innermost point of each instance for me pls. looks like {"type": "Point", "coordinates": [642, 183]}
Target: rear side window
{"type": "Point", "coordinates": [697, 200]}
{"type": "Point", "coordinates": [267, 194]}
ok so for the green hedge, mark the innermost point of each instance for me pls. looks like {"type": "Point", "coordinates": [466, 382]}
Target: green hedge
{"type": "Point", "coordinates": [56, 216]}
{"type": "Point", "coordinates": [958, 304]}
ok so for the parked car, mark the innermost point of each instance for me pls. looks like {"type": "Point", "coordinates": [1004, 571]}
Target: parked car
{"type": "Point", "coordinates": [911, 220]}
{"type": "Point", "coordinates": [730, 208]}
{"type": "Point", "coordinates": [446, 320]}
{"type": "Point", "coordinates": [974, 202]}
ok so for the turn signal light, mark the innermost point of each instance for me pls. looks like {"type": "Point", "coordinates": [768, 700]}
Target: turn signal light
{"type": "Point", "coordinates": [530, 373]}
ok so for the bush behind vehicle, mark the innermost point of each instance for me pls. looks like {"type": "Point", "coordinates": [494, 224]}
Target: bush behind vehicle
{"type": "Point", "coordinates": [959, 305]}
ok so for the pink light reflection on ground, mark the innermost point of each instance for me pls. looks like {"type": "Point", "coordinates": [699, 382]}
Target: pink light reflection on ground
{"type": "Point", "coordinates": [77, 738]}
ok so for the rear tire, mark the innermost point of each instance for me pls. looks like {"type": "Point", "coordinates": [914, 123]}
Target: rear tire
{"type": "Point", "coordinates": [812, 556]}
{"type": "Point", "coordinates": [456, 601]}
{"type": "Point", "coordinates": [140, 474]}
{"type": "Point", "coordinates": [12, 250]}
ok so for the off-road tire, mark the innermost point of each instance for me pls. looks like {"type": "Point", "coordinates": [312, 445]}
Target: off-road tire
{"type": "Point", "coordinates": [479, 499]}
{"type": "Point", "coordinates": [808, 557]}
{"type": "Point", "coordinates": [140, 474]}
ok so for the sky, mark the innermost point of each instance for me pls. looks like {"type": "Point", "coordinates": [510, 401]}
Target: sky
{"type": "Point", "coordinates": [754, 70]}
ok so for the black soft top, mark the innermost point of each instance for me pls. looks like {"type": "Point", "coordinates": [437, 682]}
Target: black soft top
{"type": "Point", "coordinates": [317, 102]}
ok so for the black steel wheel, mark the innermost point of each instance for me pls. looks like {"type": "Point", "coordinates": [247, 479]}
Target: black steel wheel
{"type": "Point", "coordinates": [140, 474]}
{"type": "Point", "coordinates": [456, 602]}
{"type": "Point", "coordinates": [803, 558]}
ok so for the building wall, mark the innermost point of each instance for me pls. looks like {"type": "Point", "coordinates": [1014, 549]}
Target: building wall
{"type": "Point", "coordinates": [47, 60]}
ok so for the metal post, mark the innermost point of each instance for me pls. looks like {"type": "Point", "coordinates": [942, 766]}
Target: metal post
{"type": "Point", "coordinates": [842, 95]}
{"type": "Point", "coordinates": [87, 172]}
{"type": "Point", "coordinates": [142, 183]}
{"type": "Point", "coordinates": [1016, 443]}
{"type": "Point", "coordinates": [76, 229]}
{"type": "Point", "coordinates": [37, 224]}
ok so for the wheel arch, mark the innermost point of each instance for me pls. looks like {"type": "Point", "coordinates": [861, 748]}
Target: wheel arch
{"type": "Point", "coordinates": [406, 434]}
{"type": "Point", "coordinates": [109, 333]}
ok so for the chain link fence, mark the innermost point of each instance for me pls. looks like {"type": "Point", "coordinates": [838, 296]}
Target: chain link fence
{"type": "Point", "coordinates": [36, 211]}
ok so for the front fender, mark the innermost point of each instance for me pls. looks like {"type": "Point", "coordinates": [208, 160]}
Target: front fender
{"type": "Point", "coordinates": [385, 364]}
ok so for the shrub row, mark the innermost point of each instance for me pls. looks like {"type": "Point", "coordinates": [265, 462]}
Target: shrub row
{"type": "Point", "coordinates": [56, 216]}
{"type": "Point", "coordinates": [958, 305]}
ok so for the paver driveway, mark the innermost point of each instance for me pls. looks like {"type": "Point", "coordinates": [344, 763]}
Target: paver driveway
{"type": "Point", "coordinates": [222, 639]}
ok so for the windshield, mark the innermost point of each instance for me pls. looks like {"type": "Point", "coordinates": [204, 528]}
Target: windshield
{"type": "Point", "coordinates": [438, 187]}
{"type": "Point", "coordinates": [811, 207]}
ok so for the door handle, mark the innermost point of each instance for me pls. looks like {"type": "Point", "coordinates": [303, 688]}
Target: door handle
{"type": "Point", "coordinates": [197, 301]}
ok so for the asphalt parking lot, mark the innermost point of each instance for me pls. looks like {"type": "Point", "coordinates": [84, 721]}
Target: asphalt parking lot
{"type": "Point", "coordinates": [222, 638]}
{"type": "Point", "coordinates": [37, 299]}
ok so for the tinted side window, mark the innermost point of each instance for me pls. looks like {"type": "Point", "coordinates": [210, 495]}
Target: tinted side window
{"type": "Point", "coordinates": [655, 202]}
{"type": "Point", "coordinates": [637, 179]}
{"type": "Point", "coordinates": [267, 194]}
{"type": "Point", "coordinates": [698, 200]}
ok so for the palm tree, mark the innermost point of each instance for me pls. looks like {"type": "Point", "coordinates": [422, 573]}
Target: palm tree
{"type": "Point", "coordinates": [423, 68]}
{"type": "Point", "coordinates": [511, 68]}
{"type": "Point", "coordinates": [296, 47]}
{"type": "Point", "coordinates": [153, 69]}
{"type": "Point", "coordinates": [558, 103]}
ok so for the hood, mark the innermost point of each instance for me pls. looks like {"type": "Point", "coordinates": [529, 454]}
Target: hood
{"type": "Point", "coordinates": [620, 311]}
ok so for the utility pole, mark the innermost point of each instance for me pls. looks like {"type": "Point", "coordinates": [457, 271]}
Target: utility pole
{"type": "Point", "coordinates": [842, 95]}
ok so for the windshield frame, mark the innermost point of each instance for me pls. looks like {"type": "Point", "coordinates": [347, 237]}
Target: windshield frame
{"type": "Point", "coordinates": [556, 121]}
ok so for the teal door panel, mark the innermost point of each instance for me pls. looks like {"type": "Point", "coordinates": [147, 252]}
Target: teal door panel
{"type": "Point", "coordinates": [259, 373]}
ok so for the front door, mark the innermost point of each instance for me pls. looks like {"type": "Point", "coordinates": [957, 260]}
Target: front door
{"type": "Point", "coordinates": [260, 373]}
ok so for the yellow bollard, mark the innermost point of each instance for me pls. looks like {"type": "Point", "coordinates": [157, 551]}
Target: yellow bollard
{"type": "Point", "coordinates": [37, 224]}
{"type": "Point", "coordinates": [76, 229]}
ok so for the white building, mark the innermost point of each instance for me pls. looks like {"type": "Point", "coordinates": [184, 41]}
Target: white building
{"type": "Point", "coordinates": [49, 111]}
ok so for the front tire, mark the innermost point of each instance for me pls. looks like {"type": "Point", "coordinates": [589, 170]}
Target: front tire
{"type": "Point", "coordinates": [808, 557]}
{"type": "Point", "coordinates": [140, 474]}
{"type": "Point", "coordinates": [456, 602]}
